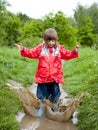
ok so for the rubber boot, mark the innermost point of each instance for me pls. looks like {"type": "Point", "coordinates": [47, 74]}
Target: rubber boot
{"type": "Point", "coordinates": [40, 112]}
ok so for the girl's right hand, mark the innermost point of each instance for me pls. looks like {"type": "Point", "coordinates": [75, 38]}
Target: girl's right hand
{"type": "Point", "coordinates": [20, 47]}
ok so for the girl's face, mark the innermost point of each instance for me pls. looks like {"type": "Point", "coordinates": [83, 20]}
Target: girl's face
{"type": "Point", "coordinates": [51, 43]}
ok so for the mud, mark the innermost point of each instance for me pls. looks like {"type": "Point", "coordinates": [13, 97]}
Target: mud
{"type": "Point", "coordinates": [42, 123]}
{"type": "Point", "coordinates": [33, 123]}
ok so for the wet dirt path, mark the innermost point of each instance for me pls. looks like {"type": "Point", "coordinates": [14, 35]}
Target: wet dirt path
{"type": "Point", "coordinates": [41, 123]}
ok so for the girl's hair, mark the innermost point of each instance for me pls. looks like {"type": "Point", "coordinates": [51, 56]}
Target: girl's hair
{"type": "Point", "coordinates": [50, 34]}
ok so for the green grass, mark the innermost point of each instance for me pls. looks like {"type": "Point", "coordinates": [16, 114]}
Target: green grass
{"type": "Point", "coordinates": [9, 106]}
{"type": "Point", "coordinates": [80, 75]}
{"type": "Point", "coordinates": [13, 66]}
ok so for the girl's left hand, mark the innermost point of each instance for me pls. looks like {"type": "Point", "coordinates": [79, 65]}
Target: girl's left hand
{"type": "Point", "coordinates": [77, 48]}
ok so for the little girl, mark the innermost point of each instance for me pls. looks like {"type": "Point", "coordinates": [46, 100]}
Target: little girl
{"type": "Point", "coordinates": [49, 72]}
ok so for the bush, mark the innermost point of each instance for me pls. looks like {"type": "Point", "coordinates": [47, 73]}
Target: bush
{"type": "Point", "coordinates": [31, 41]}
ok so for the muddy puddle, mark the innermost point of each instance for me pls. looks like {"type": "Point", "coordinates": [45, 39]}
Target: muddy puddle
{"type": "Point", "coordinates": [30, 123]}
{"type": "Point", "coordinates": [42, 123]}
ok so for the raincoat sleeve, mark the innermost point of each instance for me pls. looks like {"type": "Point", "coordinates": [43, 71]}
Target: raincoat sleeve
{"type": "Point", "coordinates": [31, 53]}
{"type": "Point", "coordinates": [67, 54]}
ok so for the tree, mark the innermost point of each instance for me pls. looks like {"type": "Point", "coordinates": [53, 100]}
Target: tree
{"type": "Point", "coordinates": [23, 18]}
{"type": "Point", "coordinates": [79, 14]}
{"type": "Point", "coordinates": [93, 14]}
{"type": "Point", "coordinates": [9, 25]}
{"type": "Point", "coordinates": [66, 33]}
{"type": "Point", "coordinates": [12, 26]}
{"type": "Point", "coordinates": [85, 33]}
{"type": "Point", "coordinates": [33, 28]}
{"type": "Point", "coordinates": [85, 26]}
{"type": "Point", "coordinates": [31, 32]}
{"type": "Point", "coordinates": [3, 11]}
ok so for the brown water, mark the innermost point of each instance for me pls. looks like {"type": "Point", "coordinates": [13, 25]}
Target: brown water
{"type": "Point", "coordinates": [41, 123]}
{"type": "Point", "coordinates": [32, 123]}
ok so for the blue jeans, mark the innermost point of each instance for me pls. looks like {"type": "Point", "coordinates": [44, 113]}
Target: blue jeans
{"type": "Point", "coordinates": [49, 91]}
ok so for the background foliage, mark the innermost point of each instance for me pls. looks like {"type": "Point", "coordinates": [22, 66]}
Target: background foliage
{"type": "Point", "coordinates": [81, 28]}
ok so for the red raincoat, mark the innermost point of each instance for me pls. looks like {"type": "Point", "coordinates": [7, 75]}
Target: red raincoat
{"type": "Point", "coordinates": [50, 62]}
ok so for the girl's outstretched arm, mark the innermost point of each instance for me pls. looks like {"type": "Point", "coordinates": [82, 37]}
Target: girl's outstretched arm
{"type": "Point", "coordinates": [30, 53]}
{"type": "Point", "coordinates": [69, 54]}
